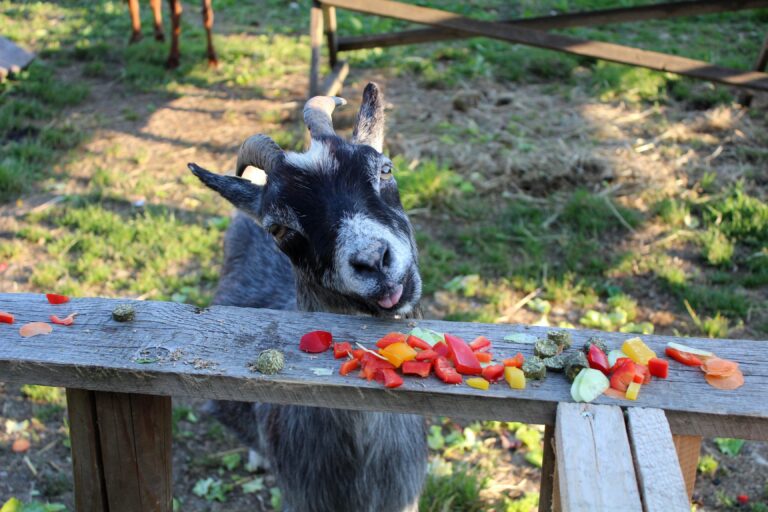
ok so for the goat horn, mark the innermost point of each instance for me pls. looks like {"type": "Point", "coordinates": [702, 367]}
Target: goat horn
{"type": "Point", "coordinates": [259, 151]}
{"type": "Point", "coordinates": [317, 114]}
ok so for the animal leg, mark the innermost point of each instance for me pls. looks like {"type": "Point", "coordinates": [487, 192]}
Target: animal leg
{"type": "Point", "coordinates": [208, 24]}
{"type": "Point", "coordinates": [157, 12]}
{"type": "Point", "coordinates": [175, 56]}
{"type": "Point", "coordinates": [133, 8]}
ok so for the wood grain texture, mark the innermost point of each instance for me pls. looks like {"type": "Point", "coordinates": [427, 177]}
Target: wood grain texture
{"type": "Point", "coordinates": [135, 439]}
{"type": "Point", "coordinates": [579, 19]}
{"type": "Point", "coordinates": [659, 477]}
{"type": "Point", "coordinates": [688, 449]}
{"type": "Point", "coordinates": [594, 461]}
{"type": "Point", "coordinates": [316, 42]}
{"type": "Point", "coordinates": [87, 470]}
{"type": "Point", "coordinates": [205, 354]}
{"type": "Point", "coordinates": [335, 80]}
{"type": "Point", "coordinates": [547, 470]}
{"type": "Point", "coordinates": [329, 19]}
{"type": "Point", "coordinates": [517, 34]}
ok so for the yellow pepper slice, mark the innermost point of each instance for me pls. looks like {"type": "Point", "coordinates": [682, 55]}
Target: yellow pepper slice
{"type": "Point", "coordinates": [638, 351]}
{"type": "Point", "coordinates": [514, 377]}
{"type": "Point", "coordinates": [632, 391]}
{"type": "Point", "coordinates": [478, 382]}
{"type": "Point", "coordinates": [398, 353]}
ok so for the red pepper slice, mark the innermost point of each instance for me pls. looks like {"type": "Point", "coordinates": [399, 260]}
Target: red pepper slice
{"type": "Point", "coordinates": [441, 348]}
{"type": "Point", "coordinates": [493, 373]}
{"type": "Point", "coordinates": [619, 362]}
{"type": "Point", "coordinates": [597, 359]}
{"type": "Point", "coordinates": [69, 320]}
{"type": "Point", "coordinates": [464, 359]}
{"type": "Point", "coordinates": [623, 375]}
{"type": "Point", "coordinates": [349, 366]}
{"type": "Point", "coordinates": [658, 367]}
{"type": "Point", "coordinates": [390, 338]}
{"type": "Point", "coordinates": [446, 372]}
{"type": "Point", "coordinates": [484, 357]}
{"type": "Point", "coordinates": [419, 343]}
{"type": "Point", "coordinates": [341, 349]}
{"type": "Point", "coordinates": [643, 374]}
{"type": "Point", "coordinates": [316, 341]}
{"type": "Point", "coordinates": [389, 377]}
{"type": "Point", "coordinates": [479, 343]}
{"type": "Point", "coordinates": [55, 298]}
{"type": "Point", "coordinates": [357, 353]}
{"type": "Point", "coordinates": [426, 355]}
{"type": "Point", "coordinates": [683, 357]}
{"type": "Point", "coordinates": [6, 318]}
{"type": "Point", "coordinates": [420, 368]}
{"type": "Point", "coordinates": [516, 361]}
{"type": "Point", "coordinates": [372, 364]}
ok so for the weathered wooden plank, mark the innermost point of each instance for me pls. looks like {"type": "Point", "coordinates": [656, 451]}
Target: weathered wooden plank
{"type": "Point", "coordinates": [594, 462]}
{"type": "Point", "coordinates": [329, 19]}
{"type": "Point", "coordinates": [316, 42]}
{"type": "Point", "coordinates": [688, 449]}
{"type": "Point", "coordinates": [658, 470]}
{"type": "Point", "coordinates": [579, 19]}
{"type": "Point", "coordinates": [335, 80]}
{"type": "Point", "coordinates": [135, 440]}
{"type": "Point", "coordinates": [12, 57]}
{"type": "Point", "coordinates": [205, 354]}
{"type": "Point", "coordinates": [516, 34]}
{"type": "Point", "coordinates": [87, 470]}
{"type": "Point", "coordinates": [547, 470]}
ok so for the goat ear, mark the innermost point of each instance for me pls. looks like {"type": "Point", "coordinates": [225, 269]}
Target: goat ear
{"type": "Point", "coordinates": [240, 192]}
{"type": "Point", "coordinates": [369, 126]}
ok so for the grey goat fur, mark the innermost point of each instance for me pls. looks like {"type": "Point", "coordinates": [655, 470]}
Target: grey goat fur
{"type": "Point", "coordinates": [327, 232]}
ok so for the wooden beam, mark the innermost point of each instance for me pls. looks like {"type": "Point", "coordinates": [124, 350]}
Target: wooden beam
{"type": "Point", "coordinates": [594, 461]}
{"type": "Point", "coordinates": [121, 451]}
{"type": "Point", "coordinates": [179, 350]}
{"type": "Point", "coordinates": [13, 58]}
{"type": "Point", "coordinates": [329, 19]}
{"type": "Point", "coordinates": [335, 79]}
{"type": "Point", "coordinates": [87, 469]}
{"type": "Point", "coordinates": [606, 51]}
{"type": "Point", "coordinates": [688, 449]}
{"type": "Point", "coordinates": [580, 19]}
{"type": "Point", "coordinates": [548, 468]}
{"type": "Point", "coordinates": [316, 42]}
{"type": "Point", "coordinates": [658, 471]}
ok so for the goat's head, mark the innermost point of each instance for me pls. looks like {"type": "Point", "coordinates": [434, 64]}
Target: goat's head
{"type": "Point", "coordinates": [335, 210]}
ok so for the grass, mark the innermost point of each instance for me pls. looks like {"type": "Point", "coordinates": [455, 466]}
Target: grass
{"type": "Point", "coordinates": [481, 251]}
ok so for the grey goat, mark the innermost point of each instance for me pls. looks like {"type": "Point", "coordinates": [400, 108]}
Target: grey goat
{"type": "Point", "coordinates": [326, 232]}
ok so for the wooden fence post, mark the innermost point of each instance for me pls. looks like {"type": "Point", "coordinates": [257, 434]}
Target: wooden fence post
{"type": "Point", "coordinates": [121, 451]}
{"type": "Point", "coordinates": [688, 449]}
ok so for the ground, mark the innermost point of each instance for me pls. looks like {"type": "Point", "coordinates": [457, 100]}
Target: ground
{"type": "Point", "coordinates": [544, 189]}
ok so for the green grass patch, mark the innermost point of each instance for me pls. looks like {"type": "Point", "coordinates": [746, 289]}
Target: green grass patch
{"type": "Point", "coordinates": [453, 487]}
{"type": "Point", "coordinates": [44, 394]}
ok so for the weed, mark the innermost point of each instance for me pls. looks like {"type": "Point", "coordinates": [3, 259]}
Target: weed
{"type": "Point", "coordinates": [673, 212]}
{"type": "Point", "coordinates": [707, 465]}
{"type": "Point", "coordinates": [44, 394]}
{"type": "Point", "coordinates": [453, 487]}
{"type": "Point", "coordinates": [729, 446]}
{"type": "Point", "coordinates": [717, 249]}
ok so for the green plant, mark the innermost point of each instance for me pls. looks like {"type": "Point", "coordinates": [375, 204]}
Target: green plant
{"type": "Point", "coordinates": [44, 394]}
{"type": "Point", "coordinates": [707, 465]}
{"type": "Point", "coordinates": [729, 446]}
{"type": "Point", "coordinates": [452, 487]}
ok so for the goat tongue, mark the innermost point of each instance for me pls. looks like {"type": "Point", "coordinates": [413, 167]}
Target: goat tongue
{"type": "Point", "coordinates": [392, 299]}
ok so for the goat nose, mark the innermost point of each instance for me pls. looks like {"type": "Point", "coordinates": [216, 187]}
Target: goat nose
{"type": "Point", "coordinates": [374, 258]}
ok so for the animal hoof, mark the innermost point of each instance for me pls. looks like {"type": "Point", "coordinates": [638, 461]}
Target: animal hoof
{"type": "Point", "coordinates": [135, 38]}
{"type": "Point", "coordinates": [172, 63]}
{"type": "Point", "coordinates": [159, 36]}
{"type": "Point", "coordinates": [213, 63]}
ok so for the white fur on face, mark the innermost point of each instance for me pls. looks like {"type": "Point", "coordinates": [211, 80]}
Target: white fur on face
{"type": "Point", "coordinates": [317, 158]}
{"type": "Point", "coordinates": [360, 234]}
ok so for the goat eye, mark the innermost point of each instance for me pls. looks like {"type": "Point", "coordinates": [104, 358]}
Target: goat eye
{"type": "Point", "coordinates": [386, 171]}
{"type": "Point", "coordinates": [278, 232]}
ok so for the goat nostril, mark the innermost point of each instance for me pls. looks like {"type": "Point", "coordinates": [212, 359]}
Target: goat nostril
{"type": "Point", "coordinates": [362, 267]}
{"type": "Point", "coordinates": [386, 258]}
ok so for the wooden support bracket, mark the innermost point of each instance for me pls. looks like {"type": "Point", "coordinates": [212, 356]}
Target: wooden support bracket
{"type": "Point", "coordinates": [121, 451]}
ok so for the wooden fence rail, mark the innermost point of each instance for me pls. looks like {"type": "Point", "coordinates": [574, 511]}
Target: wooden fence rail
{"type": "Point", "coordinates": [178, 350]}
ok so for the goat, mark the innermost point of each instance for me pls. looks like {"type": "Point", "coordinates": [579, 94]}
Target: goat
{"type": "Point", "coordinates": [174, 55]}
{"type": "Point", "coordinates": [327, 232]}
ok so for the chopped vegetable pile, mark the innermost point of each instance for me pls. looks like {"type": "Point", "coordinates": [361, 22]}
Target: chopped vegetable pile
{"type": "Point", "coordinates": [594, 370]}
